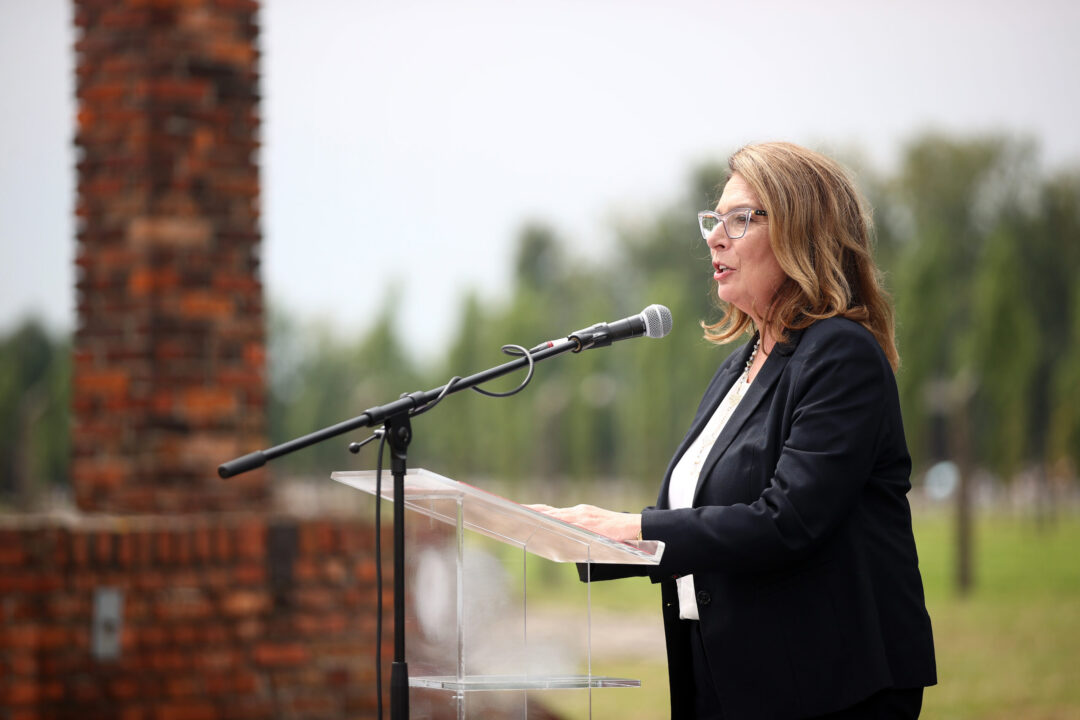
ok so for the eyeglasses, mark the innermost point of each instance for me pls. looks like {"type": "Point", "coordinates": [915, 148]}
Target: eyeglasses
{"type": "Point", "coordinates": [735, 221]}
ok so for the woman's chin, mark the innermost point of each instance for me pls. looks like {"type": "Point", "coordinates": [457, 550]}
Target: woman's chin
{"type": "Point", "coordinates": [727, 297]}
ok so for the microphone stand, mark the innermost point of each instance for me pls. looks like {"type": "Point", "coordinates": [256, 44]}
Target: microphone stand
{"type": "Point", "coordinates": [395, 418]}
{"type": "Point", "coordinates": [399, 435]}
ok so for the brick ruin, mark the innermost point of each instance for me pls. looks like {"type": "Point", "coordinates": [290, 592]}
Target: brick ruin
{"type": "Point", "coordinates": [170, 333]}
{"type": "Point", "coordinates": [172, 594]}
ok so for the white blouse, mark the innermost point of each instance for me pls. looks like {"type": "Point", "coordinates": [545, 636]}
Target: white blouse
{"type": "Point", "coordinates": [684, 479]}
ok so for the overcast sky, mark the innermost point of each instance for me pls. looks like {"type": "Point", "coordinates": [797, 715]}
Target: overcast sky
{"type": "Point", "coordinates": [406, 142]}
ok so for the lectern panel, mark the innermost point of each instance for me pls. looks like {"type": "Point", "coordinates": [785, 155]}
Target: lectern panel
{"type": "Point", "coordinates": [475, 640]}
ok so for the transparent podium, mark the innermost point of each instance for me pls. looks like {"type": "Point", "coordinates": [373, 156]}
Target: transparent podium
{"type": "Point", "coordinates": [495, 612]}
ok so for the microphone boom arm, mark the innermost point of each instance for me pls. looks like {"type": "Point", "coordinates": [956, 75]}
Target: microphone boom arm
{"type": "Point", "coordinates": [654, 321]}
{"type": "Point", "coordinates": [404, 406]}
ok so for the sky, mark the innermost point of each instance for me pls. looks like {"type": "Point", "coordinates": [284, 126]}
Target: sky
{"type": "Point", "coordinates": [405, 143]}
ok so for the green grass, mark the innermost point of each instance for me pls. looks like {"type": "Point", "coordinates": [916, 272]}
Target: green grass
{"type": "Point", "coordinates": [1010, 649]}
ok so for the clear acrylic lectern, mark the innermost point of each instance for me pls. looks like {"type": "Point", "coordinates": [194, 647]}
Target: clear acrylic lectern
{"type": "Point", "coordinates": [482, 633]}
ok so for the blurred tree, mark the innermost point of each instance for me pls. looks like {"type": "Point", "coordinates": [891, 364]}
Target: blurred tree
{"type": "Point", "coordinates": [985, 254]}
{"type": "Point", "coordinates": [1054, 246]}
{"type": "Point", "coordinates": [589, 384]}
{"type": "Point", "coordinates": [943, 186]}
{"type": "Point", "coordinates": [666, 261]}
{"type": "Point", "coordinates": [35, 395]}
{"type": "Point", "coordinates": [942, 183]}
{"type": "Point", "coordinates": [317, 381]}
{"type": "Point", "coordinates": [539, 263]}
{"type": "Point", "coordinates": [450, 432]}
{"type": "Point", "coordinates": [505, 438]}
{"type": "Point", "coordinates": [983, 289]}
{"type": "Point", "coordinates": [978, 251]}
{"type": "Point", "coordinates": [1063, 441]}
{"type": "Point", "coordinates": [1001, 352]}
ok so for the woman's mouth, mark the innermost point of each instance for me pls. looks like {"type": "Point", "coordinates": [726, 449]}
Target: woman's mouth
{"type": "Point", "coordinates": [720, 270]}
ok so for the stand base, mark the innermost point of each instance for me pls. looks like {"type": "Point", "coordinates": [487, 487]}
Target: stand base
{"type": "Point", "coordinates": [520, 682]}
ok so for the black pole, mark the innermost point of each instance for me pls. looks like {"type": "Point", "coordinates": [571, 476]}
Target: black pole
{"type": "Point", "coordinates": [399, 434]}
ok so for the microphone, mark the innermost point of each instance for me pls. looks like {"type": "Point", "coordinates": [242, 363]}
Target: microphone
{"type": "Point", "coordinates": [654, 321]}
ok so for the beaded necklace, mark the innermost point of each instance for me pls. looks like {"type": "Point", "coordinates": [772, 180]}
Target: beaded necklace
{"type": "Point", "coordinates": [750, 360]}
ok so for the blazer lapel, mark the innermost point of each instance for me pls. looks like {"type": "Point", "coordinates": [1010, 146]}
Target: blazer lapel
{"type": "Point", "coordinates": [763, 384]}
{"type": "Point", "coordinates": [716, 393]}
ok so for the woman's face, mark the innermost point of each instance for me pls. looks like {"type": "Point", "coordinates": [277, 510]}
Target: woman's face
{"type": "Point", "coordinates": [745, 270]}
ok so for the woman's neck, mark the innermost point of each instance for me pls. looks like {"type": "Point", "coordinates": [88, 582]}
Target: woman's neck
{"type": "Point", "coordinates": [768, 339]}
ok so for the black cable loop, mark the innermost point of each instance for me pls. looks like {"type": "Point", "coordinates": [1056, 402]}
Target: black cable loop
{"type": "Point", "coordinates": [506, 350]}
{"type": "Point", "coordinates": [528, 377]}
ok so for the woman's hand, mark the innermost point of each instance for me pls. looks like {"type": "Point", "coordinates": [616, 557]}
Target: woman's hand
{"type": "Point", "coordinates": [615, 525]}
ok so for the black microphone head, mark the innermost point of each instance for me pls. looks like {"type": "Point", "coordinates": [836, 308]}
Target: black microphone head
{"type": "Point", "coordinates": [657, 321]}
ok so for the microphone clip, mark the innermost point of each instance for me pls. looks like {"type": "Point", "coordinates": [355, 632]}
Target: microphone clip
{"type": "Point", "coordinates": [591, 337]}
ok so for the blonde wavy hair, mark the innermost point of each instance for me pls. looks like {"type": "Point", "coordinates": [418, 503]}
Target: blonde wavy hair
{"type": "Point", "coordinates": [821, 234]}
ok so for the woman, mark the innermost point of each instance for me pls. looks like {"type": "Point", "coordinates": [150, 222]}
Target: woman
{"type": "Point", "coordinates": [790, 580]}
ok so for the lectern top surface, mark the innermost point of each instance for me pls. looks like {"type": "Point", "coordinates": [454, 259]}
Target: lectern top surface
{"type": "Point", "coordinates": [496, 517]}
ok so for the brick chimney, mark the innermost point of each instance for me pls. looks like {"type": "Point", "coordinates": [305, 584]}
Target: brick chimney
{"type": "Point", "coordinates": [169, 349]}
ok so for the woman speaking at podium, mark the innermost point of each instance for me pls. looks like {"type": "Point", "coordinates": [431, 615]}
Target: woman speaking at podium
{"type": "Point", "coordinates": [790, 581]}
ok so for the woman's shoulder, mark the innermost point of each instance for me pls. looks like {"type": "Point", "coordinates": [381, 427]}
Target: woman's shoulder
{"type": "Point", "coordinates": [837, 336]}
{"type": "Point", "coordinates": [839, 330]}
{"type": "Point", "coordinates": [838, 353]}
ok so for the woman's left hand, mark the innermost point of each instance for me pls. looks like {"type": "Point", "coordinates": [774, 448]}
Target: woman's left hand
{"type": "Point", "coordinates": [615, 525]}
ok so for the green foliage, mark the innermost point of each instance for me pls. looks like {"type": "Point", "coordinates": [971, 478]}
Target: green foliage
{"type": "Point", "coordinates": [1054, 260]}
{"type": "Point", "coordinates": [1002, 351]}
{"type": "Point", "coordinates": [1064, 438]}
{"type": "Point", "coordinates": [980, 252]}
{"type": "Point", "coordinates": [984, 251]}
{"type": "Point", "coordinates": [316, 381]}
{"type": "Point", "coordinates": [539, 260]}
{"type": "Point", "coordinates": [35, 396]}
{"type": "Point", "coordinates": [596, 414]}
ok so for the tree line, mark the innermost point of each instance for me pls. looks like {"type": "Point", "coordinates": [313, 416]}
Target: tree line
{"type": "Point", "coordinates": [978, 243]}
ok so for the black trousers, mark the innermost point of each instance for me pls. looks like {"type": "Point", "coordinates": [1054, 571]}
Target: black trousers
{"type": "Point", "coordinates": [887, 704]}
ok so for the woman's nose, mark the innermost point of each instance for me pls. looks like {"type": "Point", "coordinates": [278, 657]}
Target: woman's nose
{"type": "Point", "coordinates": [718, 237]}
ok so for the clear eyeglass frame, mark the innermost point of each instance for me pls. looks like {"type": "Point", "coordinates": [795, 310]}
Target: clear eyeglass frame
{"type": "Point", "coordinates": [735, 221]}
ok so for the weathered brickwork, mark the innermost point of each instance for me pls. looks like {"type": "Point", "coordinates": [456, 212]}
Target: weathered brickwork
{"type": "Point", "coordinates": [226, 610]}
{"type": "Point", "coordinates": [224, 616]}
{"type": "Point", "coordinates": [169, 350]}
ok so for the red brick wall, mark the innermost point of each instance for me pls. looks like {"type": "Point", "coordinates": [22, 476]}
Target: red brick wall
{"type": "Point", "coordinates": [228, 610]}
{"type": "Point", "coordinates": [169, 349]}
{"type": "Point", "coordinates": [216, 623]}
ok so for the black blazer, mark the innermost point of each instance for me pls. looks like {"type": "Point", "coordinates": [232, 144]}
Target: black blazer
{"type": "Point", "coordinates": [799, 538]}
